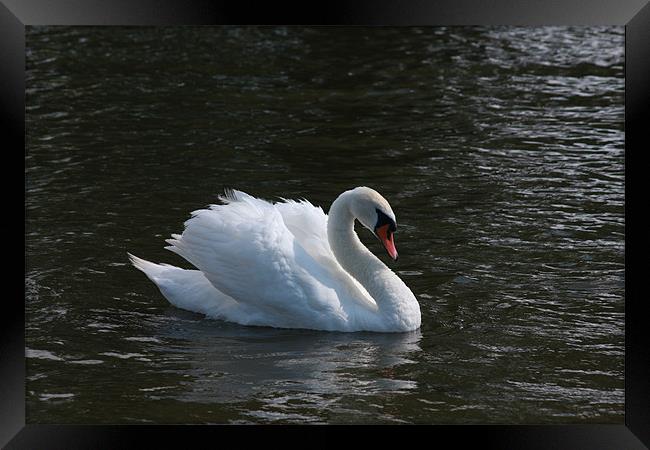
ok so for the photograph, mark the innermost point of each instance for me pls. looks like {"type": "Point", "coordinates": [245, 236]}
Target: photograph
{"type": "Point", "coordinates": [325, 225]}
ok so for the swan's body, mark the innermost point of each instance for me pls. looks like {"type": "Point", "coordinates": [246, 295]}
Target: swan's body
{"type": "Point", "coordinates": [289, 265]}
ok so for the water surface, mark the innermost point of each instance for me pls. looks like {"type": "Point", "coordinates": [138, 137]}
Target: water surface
{"type": "Point", "coordinates": [499, 148]}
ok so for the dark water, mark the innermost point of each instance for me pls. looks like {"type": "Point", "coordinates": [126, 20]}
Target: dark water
{"type": "Point", "coordinates": [500, 150]}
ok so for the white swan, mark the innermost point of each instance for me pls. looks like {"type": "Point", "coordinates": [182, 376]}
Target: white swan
{"type": "Point", "coordinates": [289, 265]}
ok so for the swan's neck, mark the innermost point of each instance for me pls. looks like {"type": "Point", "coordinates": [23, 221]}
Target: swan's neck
{"type": "Point", "coordinates": [394, 299]}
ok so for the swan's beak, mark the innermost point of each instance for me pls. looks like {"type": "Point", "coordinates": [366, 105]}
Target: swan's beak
{"type": "Point", "coordinates": [386, 238]}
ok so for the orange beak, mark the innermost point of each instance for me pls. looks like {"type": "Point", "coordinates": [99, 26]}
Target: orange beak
{"type": "Point", "coordinates": [386, 238]}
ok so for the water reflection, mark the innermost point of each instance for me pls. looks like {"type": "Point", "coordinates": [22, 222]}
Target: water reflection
{"type": "Point", "coordinates": [229, 363]}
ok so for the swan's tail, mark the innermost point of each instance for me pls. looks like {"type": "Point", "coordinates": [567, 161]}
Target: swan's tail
{"type": "Point", "coordinates": [151, 270]}
{"type": "Point", "coordinates": [186, 289]}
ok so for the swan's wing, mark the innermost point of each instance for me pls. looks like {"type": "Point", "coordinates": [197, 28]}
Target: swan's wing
{"type": "Point", "coordinates": [247, 252]}
{"type": "Point", "coordinates": [308, 224]}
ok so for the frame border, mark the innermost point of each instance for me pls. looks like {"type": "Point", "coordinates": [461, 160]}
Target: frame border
{"type": "Point", "coordinates": [16, 14]}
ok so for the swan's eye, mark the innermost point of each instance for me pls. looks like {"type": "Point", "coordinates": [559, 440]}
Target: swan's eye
{"type": "Point", "coordinates": [383, 219]}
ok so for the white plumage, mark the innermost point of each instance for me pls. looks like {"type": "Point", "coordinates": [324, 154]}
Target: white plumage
{"type": "Point", "coordinates": [268, 264]}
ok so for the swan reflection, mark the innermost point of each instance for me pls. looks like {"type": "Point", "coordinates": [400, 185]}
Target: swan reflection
{"type": "Point", "coordinates": [221, 362]}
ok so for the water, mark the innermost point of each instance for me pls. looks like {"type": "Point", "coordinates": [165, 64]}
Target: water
{"type": "Point", "coordinates": [500, 150]}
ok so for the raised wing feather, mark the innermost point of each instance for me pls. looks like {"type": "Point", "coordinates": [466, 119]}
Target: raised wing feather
{"type": "Point", "coordinates": [308, 224]}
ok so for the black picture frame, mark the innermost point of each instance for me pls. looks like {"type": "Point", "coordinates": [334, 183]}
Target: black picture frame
{"type": "Point", "coordinates": [16, 14]}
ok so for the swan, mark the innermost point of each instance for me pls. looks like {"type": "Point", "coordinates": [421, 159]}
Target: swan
{"type": "Point", "coordinates": [289, 265]}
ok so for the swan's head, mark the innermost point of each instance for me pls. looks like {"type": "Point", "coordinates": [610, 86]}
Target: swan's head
{"type": "Point", "coordinates": [374, 213]}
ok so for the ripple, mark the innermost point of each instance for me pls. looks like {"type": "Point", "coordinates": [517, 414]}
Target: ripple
{"type": "Point", "coordinates": [122, 355]}
{"type": "Point", "coordinates": [42, 354]}
{"type": "Point", "coordinates": [87, 362]}
{"type": "Point", "coordinates": [46, 397]}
